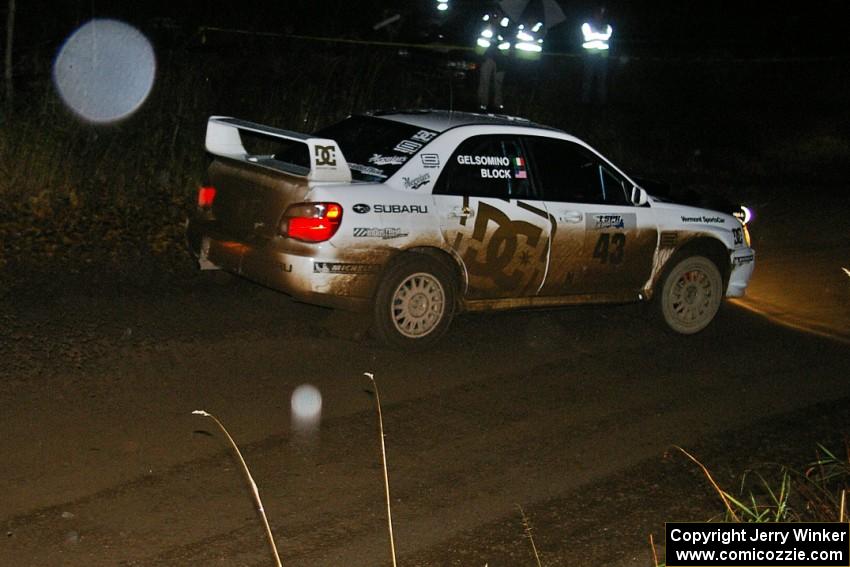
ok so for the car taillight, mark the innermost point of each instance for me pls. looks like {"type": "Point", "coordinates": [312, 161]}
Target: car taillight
{"type": "Point", "coordinates": [311, 222]}
{"type": "Point", "coordinates": [206, 196]}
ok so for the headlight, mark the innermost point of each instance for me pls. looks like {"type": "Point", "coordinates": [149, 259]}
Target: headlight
{"type": "Point", "coordinates": [745, 215]}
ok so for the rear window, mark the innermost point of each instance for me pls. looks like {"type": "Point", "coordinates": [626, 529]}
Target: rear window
{"type": "Point", "coordinates": [373, 147]}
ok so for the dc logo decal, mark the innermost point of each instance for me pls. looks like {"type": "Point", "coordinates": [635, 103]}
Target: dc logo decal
{"type": "Point", "coordinates": [325, 155]}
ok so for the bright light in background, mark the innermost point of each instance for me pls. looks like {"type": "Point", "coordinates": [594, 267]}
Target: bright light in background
{"type": "Point", "coordinates": [105, 70]}
{"type": "Point", "coordinates": [306, 406]}
{"type": "Point", "coordinates": [442, 5]}
{"type": "Point", "coordinates": [531, 47]}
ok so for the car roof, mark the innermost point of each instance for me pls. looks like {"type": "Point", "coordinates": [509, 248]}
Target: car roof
{"type": "Point", "coordinates": [442, 120]}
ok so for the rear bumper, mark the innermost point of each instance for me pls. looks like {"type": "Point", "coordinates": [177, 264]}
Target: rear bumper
{"type": "Point", "coordinates": [320, 278]}
{"type": "Point", "coordinates": [743, 263]}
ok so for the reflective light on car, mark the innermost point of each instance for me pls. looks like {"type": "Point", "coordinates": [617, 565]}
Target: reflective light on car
{"type": "Point", "coordinates": [206, 196]}
{"type": "Point", "coordinates": [306, 406]}
{"type": "Point", "coordinates": [311, 222]}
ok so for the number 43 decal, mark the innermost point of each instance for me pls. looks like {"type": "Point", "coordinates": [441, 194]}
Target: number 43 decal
{"type": "Point", "coordinates": [610, 247]}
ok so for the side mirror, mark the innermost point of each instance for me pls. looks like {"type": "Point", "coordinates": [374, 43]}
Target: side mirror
{"type": "Point", "coordinates": [639, 196]}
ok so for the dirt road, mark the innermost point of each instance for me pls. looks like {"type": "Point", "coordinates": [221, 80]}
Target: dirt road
{"type": "Point", "coordinates": [566, 413]}
{"type": "Point", "coordinates": [104, 463]}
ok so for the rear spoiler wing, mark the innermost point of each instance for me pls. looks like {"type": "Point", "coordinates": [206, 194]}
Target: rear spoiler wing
{"type": "Point", "coordinates": [326, 160]}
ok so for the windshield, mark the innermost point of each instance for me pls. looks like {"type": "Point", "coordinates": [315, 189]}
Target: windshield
{"type": "Point", "coordinates": [374, 148]}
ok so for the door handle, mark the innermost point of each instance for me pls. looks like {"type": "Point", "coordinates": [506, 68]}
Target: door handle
{"type": "Point", "coordinates": [461, 213]}
{"type": "Point", "coordinates": [571, 217]}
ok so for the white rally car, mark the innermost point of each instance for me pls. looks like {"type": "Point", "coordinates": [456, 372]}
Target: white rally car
{"type": "Point", "coordinates": [416, 215]}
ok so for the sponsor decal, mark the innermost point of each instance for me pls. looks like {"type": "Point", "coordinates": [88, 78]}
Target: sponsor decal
{"type": "Point", "coordinates": [367, 170]}
{"type": "Point", "coordinates": [416, 182]}
{"type": "Point", "coordinates": [415, 143]}
{"type": "Point", "coordinates": [325, 156]}
{"type": "Point", "coordinates": [495, 173]}
{"type": "Point", "coordinates": [704, 220]}
{"type": "Point", "coordinates": [378, 159]}
{"type": "Point", "coordinates": [484, 160]}
{"type": "Point", "coordinates": [430, 160]}
{"type": "Point", "coordinates": [424, 136]}
{"type": "Point", "coordinates": [611, 221]}
{"type": "Point", "coordinates": [408, 147]}
{"type": "Point", "coordinates": [508, 251]}
{"type": "Point", "coordinates": [361, 208]}
{"type": "Point", "coordinates": [382, 233]}
{"type": "Point", "coordinates": [740, 261]}
{"type": "Point", "coordinates": [338, 268]}
{"type": "Point", "coordinates": [608, 221]}
{"type": "Point", "coordinates": [418, 209]}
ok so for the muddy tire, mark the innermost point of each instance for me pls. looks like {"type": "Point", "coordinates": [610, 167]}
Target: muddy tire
{"type": "Point", "coordinates": [690, 294]}
{"type": "Point", "coordinates": [414, 303]}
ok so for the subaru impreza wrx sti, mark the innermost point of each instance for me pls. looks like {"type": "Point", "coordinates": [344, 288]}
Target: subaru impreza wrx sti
{"type": "Point", "coordinates": [414, 216]}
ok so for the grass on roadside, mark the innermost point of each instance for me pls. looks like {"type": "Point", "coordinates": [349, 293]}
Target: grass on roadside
{"type": "Point", "coordinates": [779, 493]}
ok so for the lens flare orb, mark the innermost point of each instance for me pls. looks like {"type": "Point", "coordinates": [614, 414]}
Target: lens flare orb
{"type": "Point", "coordinates": [105, 70]}
{"type": "Point", "coordinates": [306, 406]}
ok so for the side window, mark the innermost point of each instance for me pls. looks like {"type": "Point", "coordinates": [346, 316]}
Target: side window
{"type": "Point", "coordinates": [564, 171]}
{"type": "Point", "coordinates": [486, 166]}
{"type": "Point", "coordinates": [613, 187]}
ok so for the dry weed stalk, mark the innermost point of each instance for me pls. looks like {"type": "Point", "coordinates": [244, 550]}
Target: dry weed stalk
{"type": "Point", "coordinates": [254, 489]}
{"type": "Point", "coordinates": [654, 553]}
{"type": "Point", "coordinates": [713, 483]}
{"type": "Point", "coordinates": [384, 460]}
{"type": "Point", "coordinates": [526, 525]}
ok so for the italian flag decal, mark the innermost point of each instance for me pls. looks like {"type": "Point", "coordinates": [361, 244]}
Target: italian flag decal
{"type": "Point", "coordinates": [519, 163]}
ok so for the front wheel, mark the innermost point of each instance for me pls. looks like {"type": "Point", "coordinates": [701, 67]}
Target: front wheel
{"type": "Point", "coordinates": [414, 303]}
{"type": "Point", "coordinates": [690, 294]}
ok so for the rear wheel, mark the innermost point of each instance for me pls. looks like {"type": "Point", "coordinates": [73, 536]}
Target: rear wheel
{"type": "Point", "coordinates": [414, 303]}
{"type": "Point", "coordinates": [690, 294]}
